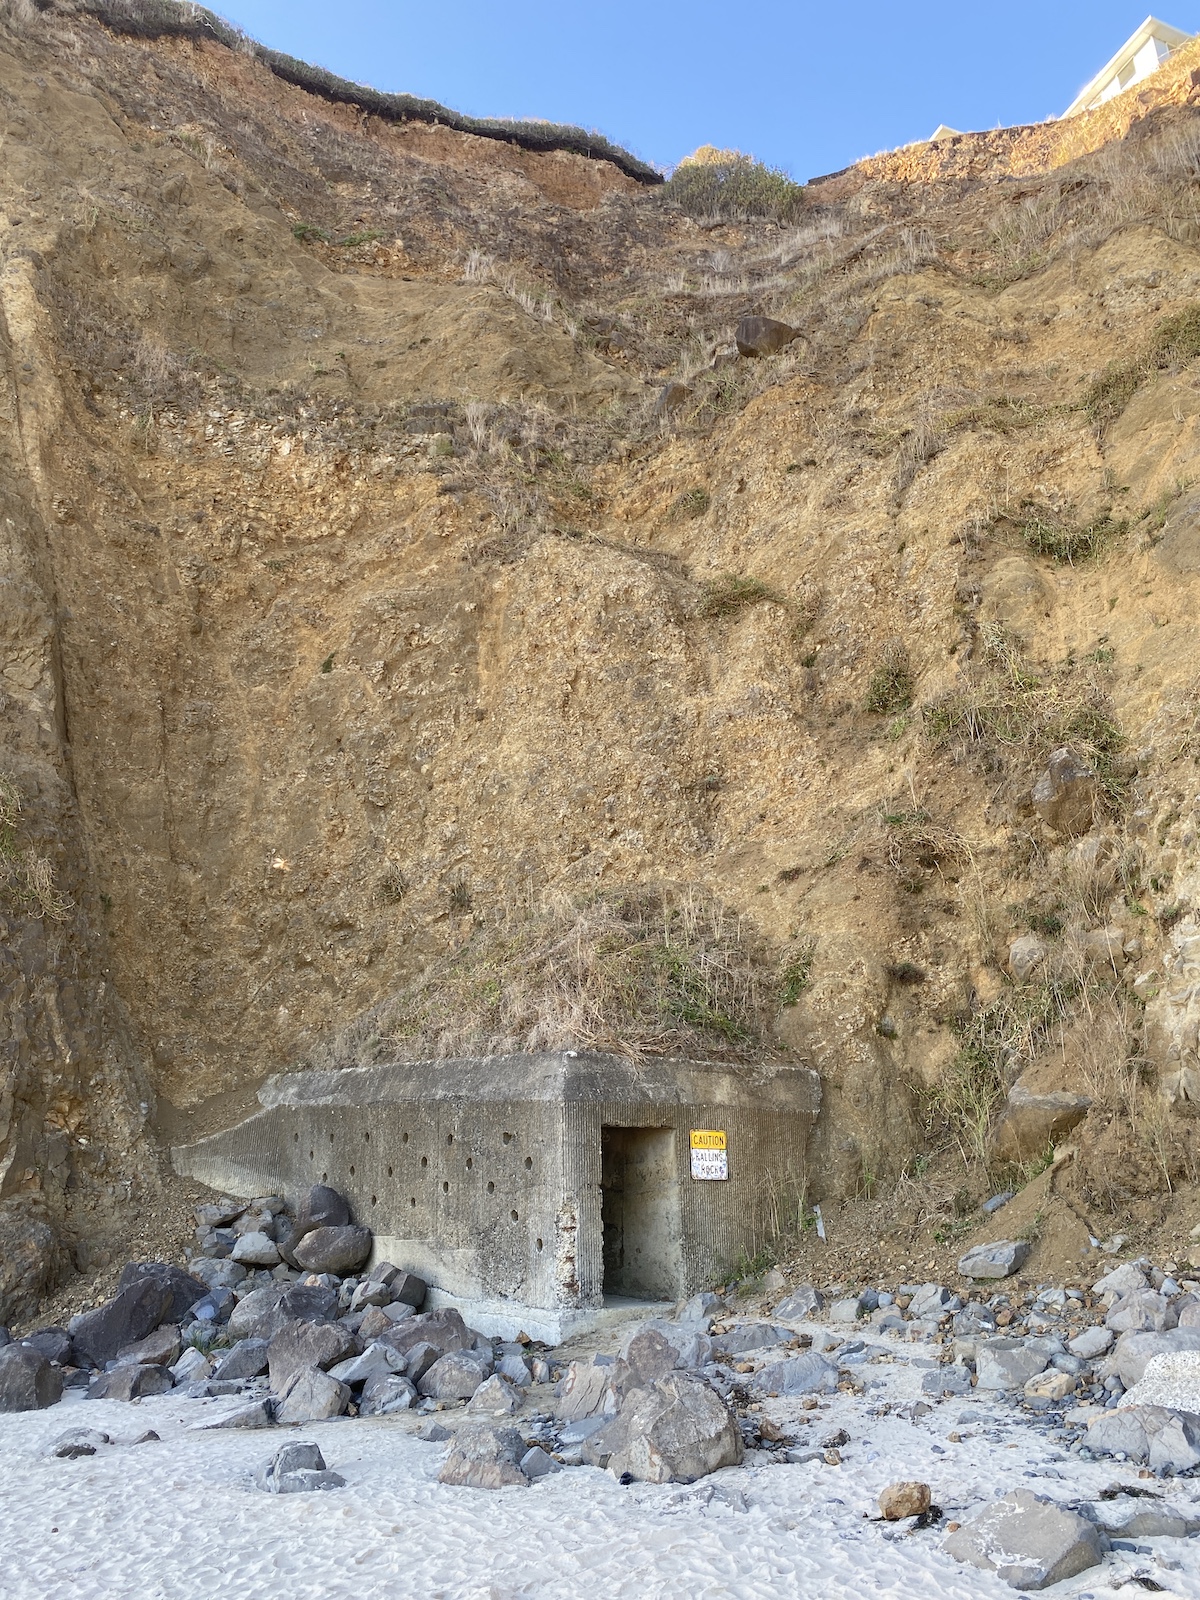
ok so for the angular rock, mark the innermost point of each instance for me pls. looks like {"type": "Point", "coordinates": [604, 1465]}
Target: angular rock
{"type": "Point", "coordinates": [516, 1369]}
{"type": "Point", "coordinates": [134, 1312]}
{"type": "Point", "coordinates": [455, 1376]}
{"type": "Point", "coordinates": [322, 1207]}
{"type": "Point", "coordinates": [1028, 1541]}
{"type": "Point", "coordinates": [215, 1273]}
{"type": "Point", "coordinates": [1024, 954]}
{"type": "Point", "coordinates": [1066, 794]}
{"type": "Point", "coordinates": [1140, 1521]}
{"type": "Point", "coordinates": [310, 1395]}
{"type": "Point", "coordinates": [308, 1344]}
{"type": "Point", "coordinates": [1142, 1311]}
{"type": "Point", "coordinates": [808, 1373]}
{"type": "Point", "coordinates": [54, 1343]}
{"type": "Point", "coordinates": [1008, 1363]}
{"type": "Point", "coordinates": [1164, 1440]}
{"type": "Point", "coordinates": [193, 1366]}
{"type": "Point", "coordinates": [247, 1359]}
{"type": "Point", "coordinates": [368, 1294]}
{"type": "Point", "coordinates": [485, 1458]}
{"type": "Point", "coordinates": [444, 1330]}
{"type": "Point", "coordinates": [671, 397]}
{"type": "Point", "coordinates": [432, 1432]}
{"type": "Point", "coordinates": [30, 1260]}
{"type": "Point", "coordinates": [702, 1308]}
{"type": "Point", "coordinates": [535, 1463]}
{"type": "Point", "coordinates": [586, 1390]}
{"type": "Point", "coordinates": [998, 1260]}
{"type": "Point", "coordinates": [676, 1432]}
{"type": "Point", "coordinates": [419, 1360]}
{"type": "Point", "coordinates": [802, 1305]}
{"type": "Point", "coordinates": [130, 1382]}
{"type": "Point", "coordinates": [750, 1336]}
{"type": "Point", "coordinates": [264, 1311]}
{"type": "Point", "coordinates": [901, 1500]}
{"type": "Point", "coordinates": [1030, 1122]}
{"type": "Point", "coordinates": [374, 1361]}
{"type": "Point", "coordinates": [692, 1348]}
{"type": "Point", "coordinates": [296, 1469]}
{"type": "Point", "coordinates": [409, 1289]}
{"type": "Point", "coordinates": [932, 1300]}
{"type": "Point", "coordinates": [78, 1442]}
{"type": "Point", "coordinates": [159, 1349]}
{"type": "Point", "coordinates": [1171, 1379]}
{"type": "Point", "coordinates": [258, 1414]}
{"type": "Point", "coordinates": [1133, 1351]}
{"type": "Point", "coordinates": [220, 1213]}
{"type": "Point", "coordinates": [1122, 1280]}
{"type": "Point", "coordinates": [763, 336]}
{"type": "Point", "coordinates": [1092, 1342]}
{"type": "Point", "coordinates": [336, 1250]}
{"type": "Point", "coordinates": [27, 1380]}
{"type": "Point", "coordinates": [185, 1287]}
{"type": "Point", "coordinates": [847, 1310]}
{"type": "Point", "coordinates": [385, 1393]}
{"type": "Point", "coordinates": [1051, 1385]}
{"type": "Point", "coordinates": [256, 1250]}
{"type": "Point", "coordinates": [946, 1381]}
{"type": "Point", "coordinates": [496, 1397]}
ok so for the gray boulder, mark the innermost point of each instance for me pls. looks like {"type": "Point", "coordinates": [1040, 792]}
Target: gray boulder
{"type": "Point", "coordinates": [247, 1359]}
{"type": "Point", "coordinates": [444, 1330]}
{"type": "Point", "coordinates": [1030, 1122]}
{"type": "Point", "coordinates": [1089, 1344]}
{"type": "Point", "coordinates": [763, 336]}
{"type": "Point", "coordinates": [701, 1309]}
{"type": "Point", "coordinates": [1133, 1351]}
{"type": "Point", "coordinates": [1142, 1311]}
{"type": "Point", "coordinates": [408, 1289]}
{"type": "Point", "coordinates": [419, 1360]}
{"type": "Point", "coordinates": [1008, 1363]}
{"type": "Point", "coordinates": [1028, 1541]}
{"type": "Point", "coordinates": [485, 1458]}
{"type": "Point", "coordinates": [1024, 954]}
{"type": "Point", "coordinates": [160, 1348]}
{"type": "Point", "coordinates": [54, 1343]}
{"type": "Point", "coordinates": [808, 1373]}
{"type": "Point", "coordinates": [496, 1397]}
{"type": "Point", "coordinates": [308, 1344]}
{"type": "Point", "coordinates": [27, 1380]}
{"type": "Point", "coordinates": [1135, 1519]}
{"type": "Point", "coordinates": [220, 1213]}
{"type": "Point", "coordinates": [1123, 1280]}
{"type": "Point", "coordinates": [691, 1346]}
{"type": "Point", "coordinates": [846, 1310]}
{"type": "Point", "coordinates": [257, 1414]}
{"type": "Point", "coordinates": [375, 1361]}
{"type": "Point", "coordinates": [78, 1442]}
{"type": "Point", "coordinates": [133, 1312]}
{"type": "Point", "coordinates": [297, 1469]}
{"type": "Point", "coordinates": [339, 1251]}
{"type": "Point", "coordinates": [322, 1207]}
{"type": "Point", "coordinates": [750, 1336]}
{"type": "Point", "coordinates": [185, 1287]}
{"type": "Point", "coordinates": [932, 1301]}
{"type": "Point", "coordinates": [263, 1312]}
{"type": "Point", "coordinates": [675, 1432]}
{"type": "Point", "coordinates": [586, 1390]}
{"type": "Point", "coordinates": [1171, 1380]}
{"type": "Point", "coordinates": [1164, 1440]}
{"type": "Point", "coordinates": [516, 1369]}
{"type": "Point", "coordinates": [386, 1393]}
{"type": "Point", "coordinates": [30, 1259]}
{"type": "Point", "coordinates": [535, 1463]}
{"type": "Point", "coordinates": [1066, 794]}
{"type": "Point", "coordinates": [455, 1376]}
{"type": "Point", "coordinates": [216, 1273]}
{"type": "Point", "coordinates": [310, 1395]}
{"type": "Point", "coordinates": [801, 1305]}
{"type": "Point", "coordinates": [256, 1250]}
{"type": "Point", "coordinates": [998, 1260]}
{"type": "Point", "coordinates": [130, 1382]}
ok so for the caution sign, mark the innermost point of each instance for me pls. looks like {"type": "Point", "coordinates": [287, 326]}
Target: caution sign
{"type": "Point", "coordinates": [710, 1153]}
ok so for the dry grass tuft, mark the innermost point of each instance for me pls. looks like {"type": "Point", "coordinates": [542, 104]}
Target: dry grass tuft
{"type": "Point", "coordinates": [26, 879]}
{"type": "Point", "coordinates": [643, 971]}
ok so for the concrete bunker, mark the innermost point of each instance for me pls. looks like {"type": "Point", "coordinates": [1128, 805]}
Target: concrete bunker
{"type": "Point", "coordinates": [530, 1190]}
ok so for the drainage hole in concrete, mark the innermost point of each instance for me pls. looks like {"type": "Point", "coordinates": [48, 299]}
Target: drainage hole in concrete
{"type": "Point", "coordinates": [539, 1244]}
{"type": "Point", "coordinates": [491, 1188]}
{"type": "Point", "coordinates": [528, 1163]}
{"type": "Point", "coordinates": [470, 1163]}
{"type": "Point", "coordinates": [366, 1138]}
{"type": "Point", "coordinates": [403, 1138]}
{"type": "Point", "coordinates": [374, 1199]}
{"type": "Point", "coordinates": [449, 1138]}
{"type": "Point", "coordinates": [389, 1172]}
{"type": "Point", "coordinates": [412, 1199]}
{"type": "Point", "coordinates": [351, 1171]}
{"type": "Point", "coordinates": [514, 1216]}
{"type": "Point", "coordinates": [424, 1161]}
{"type": "Point", "coordinates": [445, 1188]}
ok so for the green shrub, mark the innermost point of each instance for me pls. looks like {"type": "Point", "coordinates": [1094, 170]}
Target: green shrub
{"type": "Point", "coordinates": [1047, 534]}
{"type": "Point", "coordinates": [690, 504]}
{"type": "Point", "coordinates": [730, 592]}
{"type": "Point", "coordinates": [891, 687]}
{"type": "Point", "coordinates": [1175, 342]}
{"type": "Point", "coordinates": [726, 183]}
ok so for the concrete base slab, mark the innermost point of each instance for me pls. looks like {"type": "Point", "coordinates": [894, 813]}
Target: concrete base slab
{"type": "Point", "coordinates": [506, 1319]}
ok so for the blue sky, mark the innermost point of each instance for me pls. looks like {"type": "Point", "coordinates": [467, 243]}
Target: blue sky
{"type": "Point", "coordinates": [803, 86]}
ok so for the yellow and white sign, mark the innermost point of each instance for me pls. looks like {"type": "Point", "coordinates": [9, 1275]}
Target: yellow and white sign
{"type": "Point", "coordinates": [710, 1153]}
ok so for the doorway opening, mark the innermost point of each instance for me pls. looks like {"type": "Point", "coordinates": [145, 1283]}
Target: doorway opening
{"type": "Point", "coordinates": [639, 1211]}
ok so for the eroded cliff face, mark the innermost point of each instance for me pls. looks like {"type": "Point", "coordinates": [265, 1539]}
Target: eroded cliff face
{"type": "Point", "coordinates": [353, 596]}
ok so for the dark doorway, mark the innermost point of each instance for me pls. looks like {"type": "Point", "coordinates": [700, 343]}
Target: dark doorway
{"type": "Point", "coordinates": [639, 1211]}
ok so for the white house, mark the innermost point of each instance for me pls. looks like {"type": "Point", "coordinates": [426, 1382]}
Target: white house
{"type": "Point", "coordinates": [1137, 58]}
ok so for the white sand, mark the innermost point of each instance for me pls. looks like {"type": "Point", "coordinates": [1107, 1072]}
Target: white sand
{"type": "Point", "coordinates": [182, 1520]}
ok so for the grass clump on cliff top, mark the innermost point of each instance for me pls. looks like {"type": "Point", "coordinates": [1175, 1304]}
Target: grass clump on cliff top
{"type": "Point", "coordinates": [639, 971]}
{"type": "Point", "coordinates": [715, 183]}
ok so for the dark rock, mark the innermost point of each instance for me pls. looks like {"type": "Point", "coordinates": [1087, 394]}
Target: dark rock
{"type": "Point", "coordinates": [455, 1376]}
{"type": "Point", "coordinates": [485, 1458]}
{"type": "Point", "coordinates": [247, 1359]}
{"type": "Point", "coordinates": [216, 1273]}
{"type": "Point", "coordinates": [310, 1395]}
{"type": "Point", "coordinates": [296, 1468]}
{"type": "Point", "coordinates": [763, 336]}
{"type": "Point", "coordinates": [30, 1260]}
{"type": "Point", "coordinates": [750, 1336]}
{"type": "Point", "coordinates": [445, 1330]}
{"type": "Point", "coordinates": [336, 1250]}
{"type": "Point", "coordinates": [1065, 796]}
{"type": "Point", "coordinates": [432, 1432]}
{"type": "Point", "coordinates": [672, 397]}
{"type": "Point", "coordinates": [308, 1344]}
{"type": "Point", "coordinates": [675, 1432]}
{"type": "Point", "coordinates": [385, 1393]}
{"type": "Point", "coordinates": [420, 1358]}
{"type": "Point", "coordinates": [801, 1305]}
{"type": "Point", "coordinates": [220, 1213]}
{"type": "Point", "coordinates": [160, 1348]}
{"type": "Point", "coordinates": [322, 1207]}
{"type": "Point", "coordinates": [27, 1380]}
{"type": "Point", "coordinates": [1030, 1122]}
{"type": "Point", "coordinates": [54, 1343]}
{"type": "Point", "coordinates": [999, 1260]}
{"type": "Point", "coordinates": [808, 1373]}
{"type": "Point", "coordinates": [407, 1288]}
{"type": "Point", "coordinates": [185, 1289]}
{"type": "Point", "coordinates": [264, 1311]}
{"type": "Point", "coordinates": [134, 1312]}
{"type": "Point", "coordinates": [78, 1442]}
{"type": "Point", "coordinates": [130, 1382]}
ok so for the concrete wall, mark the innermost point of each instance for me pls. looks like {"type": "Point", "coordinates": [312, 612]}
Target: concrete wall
{"type": "Point", "coordinates": [485, 1176]}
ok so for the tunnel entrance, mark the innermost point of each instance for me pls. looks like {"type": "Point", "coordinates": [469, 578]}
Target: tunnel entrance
{"type": "Point", "coordinates": [643, 1255]}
